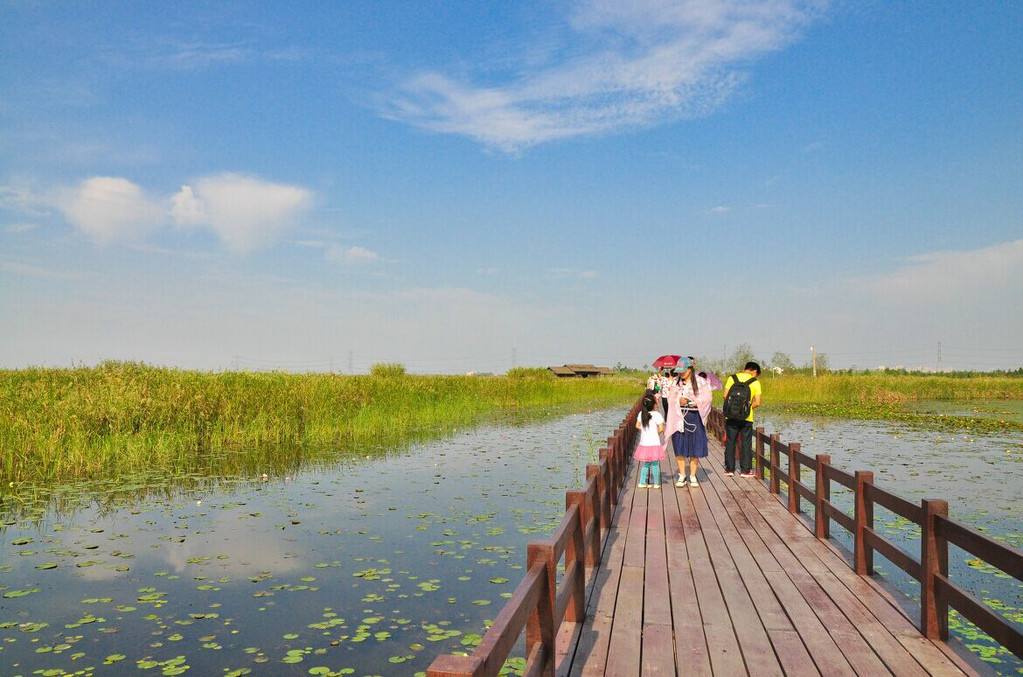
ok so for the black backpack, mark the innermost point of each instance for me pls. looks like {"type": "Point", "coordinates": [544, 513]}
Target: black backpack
{"type": "Point", "coordinates": [739, 399]}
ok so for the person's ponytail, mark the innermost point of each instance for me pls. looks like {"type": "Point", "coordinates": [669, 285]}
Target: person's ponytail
{"type": "Point", "coordinates": [648, 405]}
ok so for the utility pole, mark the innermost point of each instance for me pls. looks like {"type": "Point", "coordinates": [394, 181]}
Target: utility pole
{"type": "Point", "coordinates": [813, 360]}
{"type": "Point", "coordinates": [351, 369]}
{"type": "Point", "coordinates": [939, 355]}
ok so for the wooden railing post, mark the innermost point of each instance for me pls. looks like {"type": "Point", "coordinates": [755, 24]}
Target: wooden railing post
{"type": "Point", "coordinates": [794, 477]}
{"type": "Point", "coordinates": [933, 561]}
{"type": "Point", "coordinates": [540, 626]}
{"type": "Point", "coordinates": [602, 491]}
{"type": "Point", "coordinates": [575, 551]}
{"type": "Point", "coordinates": [758, 450]}
{"type": "Point", "coordinates": [590, 509]}
{"type": "Point", "coordinates": [775, 462]}
{"type": "Point", "coordinates": [821, 495]}
{"type": "Point", "coordinates": [616, 481]}
{"type": "Point", "coordinates": [863, 517]}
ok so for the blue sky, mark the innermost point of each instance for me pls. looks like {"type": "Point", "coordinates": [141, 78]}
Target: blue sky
{"type": "Point", "coordinates": [457, 185]}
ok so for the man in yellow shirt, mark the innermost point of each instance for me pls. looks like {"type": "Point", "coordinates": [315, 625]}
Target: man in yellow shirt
{"type": "Point", "coordinates": [739, 417]}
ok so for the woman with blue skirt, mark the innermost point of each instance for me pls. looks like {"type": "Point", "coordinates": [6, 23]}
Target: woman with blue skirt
{"type": "Point", "coordinates": [689, 435]}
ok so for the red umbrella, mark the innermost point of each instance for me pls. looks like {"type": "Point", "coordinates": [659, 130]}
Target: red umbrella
{"type": "Point", "coordinates": [667, 361]}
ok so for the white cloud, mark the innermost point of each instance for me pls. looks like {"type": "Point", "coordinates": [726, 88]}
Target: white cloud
{"type": "Point", "coordinates": [946, 275]}
{"type": "Point", "coordinates": [356, 254]}
{"type": "Point", "coordinates": [720, 209]}
{"type": "Point", "coordinates": [642, 62]}
{"type": "Point", "coordinates": [108, 209]}
{"type": "Point", "coordinates": [187, 209]}
{"type": "Point", "coordinates": [246, 213]}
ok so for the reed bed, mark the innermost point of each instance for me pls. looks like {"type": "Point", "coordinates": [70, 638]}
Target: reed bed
{"type": "Point", "coordinates": [121, 419]}
{"type": "Point", "coordinates": [887, 389]}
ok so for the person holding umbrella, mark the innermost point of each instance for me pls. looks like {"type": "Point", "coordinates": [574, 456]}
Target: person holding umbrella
{"type": "Point", "coordinates": [687, 420]}
{"type": "Point", "coordinates": [665, 363]}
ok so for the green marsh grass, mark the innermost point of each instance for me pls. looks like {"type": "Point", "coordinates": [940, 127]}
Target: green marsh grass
{"type": "Point", "coordinates": [888, 396]}
{"type": "Point", "coordinates": [120, 419]}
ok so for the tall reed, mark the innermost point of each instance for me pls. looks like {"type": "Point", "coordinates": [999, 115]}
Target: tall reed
{"type": "Point", "coordinates": [121, 418]}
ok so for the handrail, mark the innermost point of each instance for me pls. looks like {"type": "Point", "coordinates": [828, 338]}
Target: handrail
{"type": "Point", "coordinates": [538, 605]}
{"type": "Point", "coordinates": [937, 591]}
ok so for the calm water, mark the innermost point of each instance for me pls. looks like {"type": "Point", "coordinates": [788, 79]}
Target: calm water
{"type": "Point", "coordinates": [372, 567]}
{"type": "Point", "coordinates": [981, 477]}
{"type": "Point", "coordinates": [377, 565]}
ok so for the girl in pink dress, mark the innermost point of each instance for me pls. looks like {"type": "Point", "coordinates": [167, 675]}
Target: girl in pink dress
{"type": "Point", "coordinates": [649, 451]}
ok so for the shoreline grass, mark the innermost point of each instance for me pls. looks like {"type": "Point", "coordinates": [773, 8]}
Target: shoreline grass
{"type": "Point", "coordinates": [125, 418]}
{"type": "Point", "coordinates": [888, 397]}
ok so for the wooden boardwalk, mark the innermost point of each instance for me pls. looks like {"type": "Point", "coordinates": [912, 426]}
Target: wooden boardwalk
{"type": "Point", "coordinates": [726, 579]}
{"type": "Point", "coordinates": [723, 579]}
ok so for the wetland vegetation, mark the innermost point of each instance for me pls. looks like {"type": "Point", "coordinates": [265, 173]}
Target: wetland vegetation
{"type": "Point", "coordinates": [119, 419]}
{"type": "Point", "coordinates": [977, 402]}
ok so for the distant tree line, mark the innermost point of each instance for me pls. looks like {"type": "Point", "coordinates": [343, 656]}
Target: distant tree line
{"type": "Point", "coordinates": [782, 363]}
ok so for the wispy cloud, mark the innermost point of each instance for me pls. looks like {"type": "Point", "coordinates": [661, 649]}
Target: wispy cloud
{"type": "Point", "coordinates": [573, 273]}
{"type": "Point", "coordinates": [720, 209]}
{"type": "Point", "coordinates": [943, 275]}
{"type": "Point", "coordinates": [644, 62]}
{"type": "Point", "coordinates": [355, 254]}
{"type": "Point", "coordinates": [21, 269]}
{"type": "Point", "coordinates": [20, 227]}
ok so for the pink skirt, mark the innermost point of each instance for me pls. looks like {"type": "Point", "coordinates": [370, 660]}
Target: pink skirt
{"type": "Point", "coordinates": [652, 452]}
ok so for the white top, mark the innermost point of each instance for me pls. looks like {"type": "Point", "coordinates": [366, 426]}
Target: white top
{"type": "Point", "coordinates": [648, 436]}
{"type": "Point", "coordinates": [665, 382]}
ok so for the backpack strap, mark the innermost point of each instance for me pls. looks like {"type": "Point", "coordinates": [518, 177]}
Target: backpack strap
{"type": "Point", "coordinates": [750, 382]}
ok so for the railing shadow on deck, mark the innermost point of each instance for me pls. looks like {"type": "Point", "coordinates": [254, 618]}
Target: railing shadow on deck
{"type": "Point", "coordinates": [937, 592]}
{"type": "Point", "coordinates": [538, 605]}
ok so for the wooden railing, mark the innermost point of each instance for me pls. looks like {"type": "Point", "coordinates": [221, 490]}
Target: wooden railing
{"type": "Point", "coordinates": [937, 592]}
{"type": "Point", "coordinates": [539, 605]}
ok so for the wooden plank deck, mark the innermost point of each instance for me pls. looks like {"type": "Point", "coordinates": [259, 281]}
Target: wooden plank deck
{"type": "Point", "coordinates": [723, 580]}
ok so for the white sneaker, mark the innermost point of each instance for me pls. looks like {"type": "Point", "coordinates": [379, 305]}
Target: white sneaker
{"type": "Point", "coordinates": [655, 486]}
{"type": "Point", "coordinates": [643, 486]}
{"type": "Point", "coordinates": [680, 482]}
{"type": "Point", "coordinates": [693, 483]}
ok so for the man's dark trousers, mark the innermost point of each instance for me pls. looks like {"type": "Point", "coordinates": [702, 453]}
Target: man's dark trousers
{"type": "Point", "coordinates": [739, 432]}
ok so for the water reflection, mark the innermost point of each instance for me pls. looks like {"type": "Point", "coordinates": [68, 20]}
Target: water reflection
{"type": "Point", "coordinates": [375, 566]}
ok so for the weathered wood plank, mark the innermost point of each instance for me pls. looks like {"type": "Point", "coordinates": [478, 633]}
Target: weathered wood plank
{"type": "Point", "coordinates": [658, 651]}
{"type": "Point", "coordinates": [627, 625]}
{"type": "Point", "coordinates": [691, 653]}
{"type": "Point", "coordinates": [635, 548]}
{"type": "Point", "coordinates": [656, 591]}
{"type": "Point", "coordinates": [753, 640]}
